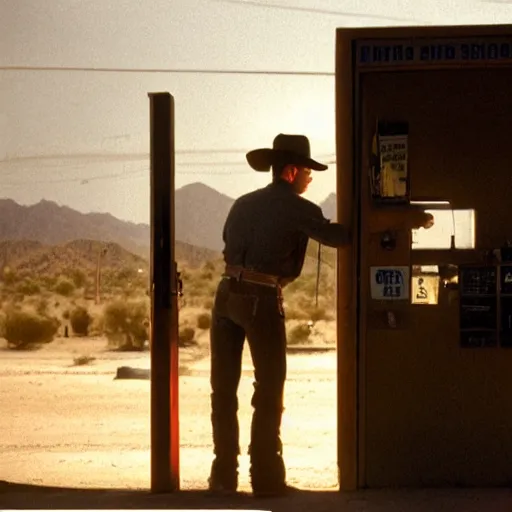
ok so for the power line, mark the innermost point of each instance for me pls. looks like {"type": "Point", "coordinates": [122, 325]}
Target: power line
{"type": "Point", "coordinates": [114, 156]}
{"type": "Point", "coordinates": [70, 180]}
{"type": "Point", "coordinates": [123, 157]}
{"type": "Point", "coordinates": [313, 10]}
{"type": "Point", "coordinates": [167, 70]}
{"type": "Point", "coordinates": [84, 180]}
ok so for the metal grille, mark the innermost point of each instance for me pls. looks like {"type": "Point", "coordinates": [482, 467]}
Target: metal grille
{"type": "Point", "coordinates": [478, 281]}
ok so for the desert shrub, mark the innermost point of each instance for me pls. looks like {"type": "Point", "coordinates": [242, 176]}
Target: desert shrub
{"type": "Point", "coordinates": [187, 337]}
{"type": "Point", "coordinates": [295, 313]}
{"type": "Point", "coordinates": [66, 314]}
{"type": "Point", "coordinates": [64, 287]}
{"type": "Point", "coordinates": [80, 321]}
{"type": "Point", "coordinates": [48, 281]}
{"type": "Point", "coordinates": [97, 326]}
{"type": "Point", "coordinates": [78, 277]}
{"type": "Point", "coordinates": [299, 334]}
{"type": "Point", "coordinates": [24, 330]}
{"type": "Point", "coordinates": [9, 276]}
{"type": "Point", "coordinates": [28, 287]}
{"type": "Point", "coordinates": [204, 321]}
{"type": "Point", "coordinates": [124, 275]}
{"type": "Point", "coordinates": [17, 298]}
{"type": "Point", "coordinates": [208, 270]}
{"type": "Point", "coordinates": [208, 303]}
{"type": "Point", "coordinates": [90, 293]}
{"type": "Point", "coordinates": [124, 324]}
{"type": "Point", "coordinates": [308, 286]}
{"type": "Point", "coordinates": [198, 289]}
{"type": "Point", "coordinates": [320, 313]}
{"type": "Point", "coordinates": [42, 307]}
{"type": "Point", "coordinates": [185, 273]}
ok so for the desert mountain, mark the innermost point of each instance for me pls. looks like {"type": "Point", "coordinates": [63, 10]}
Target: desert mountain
{"type": "Point", "coordinates": [200, 215]}
{"type": "Point", "coordinates": [49, 224]}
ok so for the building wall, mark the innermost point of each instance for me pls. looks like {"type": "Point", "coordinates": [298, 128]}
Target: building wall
{"type": "Point", "coordinates": [433, 413]}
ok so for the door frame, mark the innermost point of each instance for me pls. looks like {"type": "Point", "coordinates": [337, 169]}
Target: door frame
{"type": "Point", "coordinates": [351, 304]}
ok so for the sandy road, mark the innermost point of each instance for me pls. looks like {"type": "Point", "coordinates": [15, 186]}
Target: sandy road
{"type": "Point", "coordinates": [76, 426]}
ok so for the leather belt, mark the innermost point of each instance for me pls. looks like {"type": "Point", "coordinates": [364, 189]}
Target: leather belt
{"type": "Point", "coordinates": [251, 276]}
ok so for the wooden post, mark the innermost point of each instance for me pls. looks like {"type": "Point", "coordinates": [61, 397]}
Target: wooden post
{"type": "Point", "coordinates": [346, 272]}
{"type": "Point", "coordinates": [164, 300]}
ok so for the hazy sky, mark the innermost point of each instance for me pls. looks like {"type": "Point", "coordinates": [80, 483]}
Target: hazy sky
{"type": "Point", "coordinates": [59, 128]}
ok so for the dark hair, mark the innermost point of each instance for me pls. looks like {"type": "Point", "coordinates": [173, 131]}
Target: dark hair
{"type": "Point", "coordinates": [277, 171]}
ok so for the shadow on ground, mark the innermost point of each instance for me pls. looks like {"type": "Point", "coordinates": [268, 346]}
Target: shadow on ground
{"type": "Point", "coordinates": [21, 496]}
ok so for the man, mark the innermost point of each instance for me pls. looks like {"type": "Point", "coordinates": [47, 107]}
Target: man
{"type": "Point", "coordinates": [266, 235]}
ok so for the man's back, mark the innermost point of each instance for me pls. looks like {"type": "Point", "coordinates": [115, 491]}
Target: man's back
{"type": "Point", "coordinates": [264, 230]}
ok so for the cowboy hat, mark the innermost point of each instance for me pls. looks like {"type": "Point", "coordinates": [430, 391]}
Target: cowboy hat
{"type": "Point", "coordinates": [286, 149]}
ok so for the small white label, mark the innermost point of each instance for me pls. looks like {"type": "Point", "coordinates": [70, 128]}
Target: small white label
{"type": "Point", "coordinates": [389, 283]}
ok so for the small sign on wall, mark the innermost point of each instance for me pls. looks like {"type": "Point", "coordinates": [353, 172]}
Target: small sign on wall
{"type": "Point", "coordinates": [425, 289]}
{"type": "Point", "coordinates": [389, 283]}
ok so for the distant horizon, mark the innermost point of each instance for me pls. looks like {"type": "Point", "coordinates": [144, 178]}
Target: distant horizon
{"type": "Point", "coordinates": [67, 205]}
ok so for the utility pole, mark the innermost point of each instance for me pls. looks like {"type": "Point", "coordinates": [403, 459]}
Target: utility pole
{"type": "Point", "coordinates": [101, 253]}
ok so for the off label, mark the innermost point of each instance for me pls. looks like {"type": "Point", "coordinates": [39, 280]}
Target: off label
{"type": "Point", "coordinates": [389, 283]}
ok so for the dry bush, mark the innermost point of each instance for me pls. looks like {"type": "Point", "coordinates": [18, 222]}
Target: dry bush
{"type": "Point", "coordinates": [25, 330]}
{"type": "Point", "coordinates": [207, 270]}
{"type": "Point", "coordinates": [299, 334]}
{"type": "Point", "coordinates": [323, 332]}
{"type": "Point", "coordinates": [199, 285]}
{"type": "Point", "coordinates": [80, 321]}
{"type": "Point", "coordinates": [97, 327]}
{"type": "Point", "coordinates": [204, 321]}
{"type": "Point", "coordinates": [187, 337]}
{"type": "Point", "coordinates": [28, 287]}
{"type": "Point", "coordinates": [125, 324]}
{"type": "Point", "coordinates": [42, 306]}
{"type": "Point", "coordinates": [9, 276]}
{"type": "Point", "coordinates": [295, 313]}
{"type": "Point", "coordinates": [48, 281]}
{"type": "Point", "coordinates": [78, 277]}
{"type": "Point", "coordinates": [64, 287]}
{"type": "Point", "coordinates": [320, 313]}
{"type": "Point", "coordinates": [196, 290]}
{"type": "Point", "coordinates": [17, 298]}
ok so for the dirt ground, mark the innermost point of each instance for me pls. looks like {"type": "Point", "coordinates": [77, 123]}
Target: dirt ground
{"type": "Point", "coordinates": [75, 426]}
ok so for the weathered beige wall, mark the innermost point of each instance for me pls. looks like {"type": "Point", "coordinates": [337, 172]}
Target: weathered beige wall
{"type": "Point", "coordinates": [434, 413]}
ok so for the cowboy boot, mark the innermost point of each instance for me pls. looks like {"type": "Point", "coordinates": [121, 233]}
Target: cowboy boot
{"type": "Point", "coordinates": [267, 469]}
{"type": "Point", "coordinates": [223, 477]}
